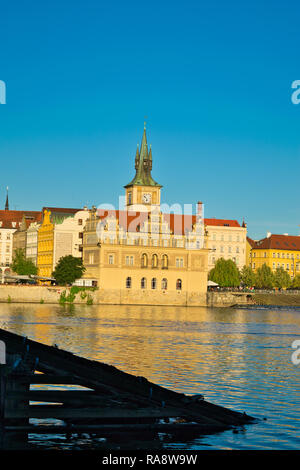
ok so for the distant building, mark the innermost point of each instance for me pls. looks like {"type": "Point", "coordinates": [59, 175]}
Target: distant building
{"type": "Point", "coordinates": [277, 251]}
{"type": "Point", "coordinates": [32, 241]}
{"type": "Point", "coordinates": [226, 239]}
{"type": "Point", "coordinates": [249, 245]}
{"type": "Point", "coordinates": [10, 222]}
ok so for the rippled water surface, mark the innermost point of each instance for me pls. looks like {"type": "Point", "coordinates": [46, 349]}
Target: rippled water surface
{"type": "Point", "coordinates": [237, 358]}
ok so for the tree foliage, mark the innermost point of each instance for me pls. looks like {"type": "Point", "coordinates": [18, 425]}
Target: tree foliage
{"type": "Point", "coordinates": [281, 278]}
{"type": "Point", "coordinates": [21, 265]}
{"type": "Point", "coordinates": [296, 282]}
{"type": "Point", "coordinates": [225, 273]}
{"type": "Point", "coordinates": [68, 269]}
{"type": "Point", "coordinates": [248, 276]}
{"type": "Point", "coordinates": [264, 278]}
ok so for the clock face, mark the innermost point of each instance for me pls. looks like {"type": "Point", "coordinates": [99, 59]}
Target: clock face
{"type": "Point", "coordinates": [146, 197]}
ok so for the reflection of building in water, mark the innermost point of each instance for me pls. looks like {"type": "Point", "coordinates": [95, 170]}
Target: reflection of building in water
{"type": "Point", "coordinates": [142, 255]}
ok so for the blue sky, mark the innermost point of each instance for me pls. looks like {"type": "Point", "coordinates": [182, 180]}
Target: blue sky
{"type": "Point", "coordinates": [213, 78]}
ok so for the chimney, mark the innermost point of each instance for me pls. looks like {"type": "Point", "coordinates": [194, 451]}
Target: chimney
{"type": "Point", "coordinates": [269, 234]}
{"type": "Point", "coordinates": [200, 209]}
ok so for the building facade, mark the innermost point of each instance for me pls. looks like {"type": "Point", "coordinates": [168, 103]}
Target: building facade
{"type": "Point", "coordinates": [32, 242]}
{"type": "Point", "coordinates": [10, 222]}
{"type": "Point", "coordinates": [60, 234]}
{"type": "Point", "coordinates": [226, 239]}
{"type": "Point", "coordinates": [141, 255]}
{"type": "Point", "coordinates": [277, 251]}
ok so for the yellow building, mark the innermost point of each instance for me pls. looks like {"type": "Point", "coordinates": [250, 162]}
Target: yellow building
{"type": "Point", "coordinates": [141, 255]}
{"type": "Point", "coordinates": [45, 246]}
{"type": "Point", "coordinates": [59, 234]}
{"type": "Point", "coordinates": [277, 251]}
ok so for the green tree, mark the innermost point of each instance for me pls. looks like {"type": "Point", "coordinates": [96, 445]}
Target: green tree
{"type": "Point", "coordinates": [248, 276]}
{"type": "Point", "coordinates": [225, 273]}
{"type": "Point", "coordinates": [264, 278]}
{"type": "Point", "coordinates": [296, 282]}
{"type": "Point", "coordinates": [281, 278]}
{"type": "Point", "coordinates": [21, 265]}
{"type": "Point", "coordinates": [68, 269]}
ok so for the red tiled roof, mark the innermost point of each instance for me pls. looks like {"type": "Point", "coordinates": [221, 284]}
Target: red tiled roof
{"type": "Point", "coordinates": [251, 242]}
{"type": "Point", "coordinates": [178, 223]}
{"type": "Point", "coordinates": [222, 222]}
{"type": "Point", "coordinates": [279, 242]}
{"type": "Point", "coordinates": [7, 217]}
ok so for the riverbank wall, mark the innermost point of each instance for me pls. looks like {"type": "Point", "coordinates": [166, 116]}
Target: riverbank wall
{"type": "Point", "coordinates": [55, 295]}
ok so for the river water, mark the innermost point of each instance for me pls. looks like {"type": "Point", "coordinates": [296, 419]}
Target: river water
{"type": "Point", "coordinates": [237, 358]}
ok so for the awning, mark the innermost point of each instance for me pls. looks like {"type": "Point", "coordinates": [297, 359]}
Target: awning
{"type": "Point", "coordinates": [212, 283]}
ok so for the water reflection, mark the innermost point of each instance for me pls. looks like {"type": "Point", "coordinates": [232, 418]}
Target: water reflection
{"type": "Point", "coordinates": [236, 358]}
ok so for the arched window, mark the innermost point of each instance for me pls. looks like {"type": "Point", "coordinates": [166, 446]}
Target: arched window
{"type": "Point", "coordinates": [143, 283]}
{"type": "Point", "coordinates": [154, 261]}
{"type": "Point", "coordinates": [128, 282]}
{"type": "Point", "coordinates": [153, 283]}
{"type": "Point", "coordinates": [164, 261]}
{"type": "Point", "coordinates": [144, 260]}
{"type": "Point", "coordinates": [178, 284]}
{"type": "Point", "coordinates": [164, 284]}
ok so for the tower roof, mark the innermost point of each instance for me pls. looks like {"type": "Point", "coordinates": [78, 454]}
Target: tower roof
{"type": "Point", "coordinates": [143, 166]}
{"type": "Point", "coordinates": [6, 203]}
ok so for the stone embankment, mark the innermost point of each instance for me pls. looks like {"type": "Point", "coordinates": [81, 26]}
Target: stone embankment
{"type": "Point", "coordinates": [55, 295]}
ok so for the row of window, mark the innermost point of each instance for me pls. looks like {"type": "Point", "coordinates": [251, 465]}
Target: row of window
{"type": "Point", "coordinates": [230, 237]}
{"type": "Point", "coordinates": [145, 262]}
{"type": "Point", "coordinates": [154, 242]}
{"type": "Point", "coordinates": [278, 255]}
{"type": "Point", "coordinates": [287, 266]}
{"type": "Point", "coordinates": [8, 237]}
{"type": "Point", "coordinates": [229, 249]}
{"type": "Point", "coordinates": [153, 283]}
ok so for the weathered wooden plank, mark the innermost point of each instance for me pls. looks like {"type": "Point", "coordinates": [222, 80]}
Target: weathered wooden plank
{"type": "Point", "coordinates": [49, 379]}
{"type": "Point", "coordinates": [60, 412]}
{"type": "Point", "coordinates": [126, 386]}
{"type": "Point", "coordinates": [58, 396]}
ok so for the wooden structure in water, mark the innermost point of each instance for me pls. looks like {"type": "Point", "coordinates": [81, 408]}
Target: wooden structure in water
{"type": "Point", "coordinates": [110, 402]}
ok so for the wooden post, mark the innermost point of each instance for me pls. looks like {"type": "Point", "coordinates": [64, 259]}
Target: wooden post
{"type": "Point", "coordinates": [9, 384]}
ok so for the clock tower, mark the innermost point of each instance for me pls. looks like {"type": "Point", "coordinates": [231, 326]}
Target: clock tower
{"type": "Point", "coordinates": [143, 193]}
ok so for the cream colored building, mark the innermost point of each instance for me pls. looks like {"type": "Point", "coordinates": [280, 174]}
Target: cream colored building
{"type": "Point", "coordinates": [141, 255]}
{"type": "Point", "coordinates": [68, 236]}
{"type": "Point", "coordinates": [226, 239]}
{"type": "Point", "coordinates": [32, 242]}
{"type": "Point", "coordinates": [10, 222]}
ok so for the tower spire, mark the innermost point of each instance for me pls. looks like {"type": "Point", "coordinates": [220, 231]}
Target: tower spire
{"type": "Point", "coordinates": [143, 165]}
{"type": "Point", "coordinates": [7, 204]}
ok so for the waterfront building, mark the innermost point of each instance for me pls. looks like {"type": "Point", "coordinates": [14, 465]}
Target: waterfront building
{"type": "Point", "coordinates": [10, 222]}
{"type": "Point", "coordinates": [249, 245]}
{"type": "Point", "coordinates": [60, 234]}
{"type": "Point", "coordinates": [141, 255]}
{"type": "Point", "coordinates": [277, 251]}
{"type": "Point", "coordinates": [32, 242]}
{"type": "Point", "coordinates": [226, 239]}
